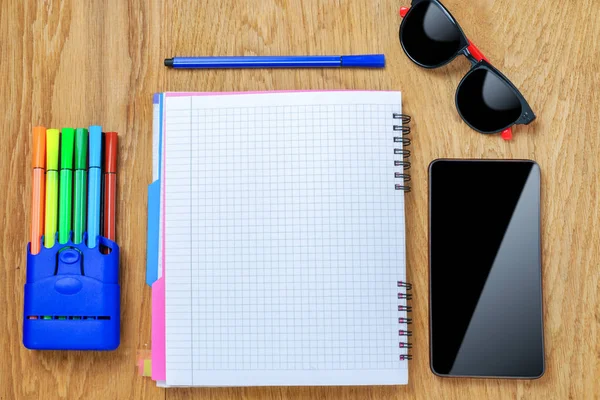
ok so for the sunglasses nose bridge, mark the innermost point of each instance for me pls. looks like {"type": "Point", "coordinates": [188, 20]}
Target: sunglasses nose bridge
{"type": "Point", "coordinates": [475, 53]}
{"type": "Point", "coordinates": [470, 57]}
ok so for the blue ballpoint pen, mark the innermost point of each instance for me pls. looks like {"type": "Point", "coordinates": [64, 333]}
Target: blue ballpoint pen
{"type": "Point", "coordinates": [94, 184]}
{"type": "Point", "coordinates": [354, 61]}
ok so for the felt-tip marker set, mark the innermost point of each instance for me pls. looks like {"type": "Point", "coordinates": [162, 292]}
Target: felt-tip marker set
{"type": "Point", "coordinates": [72, 293]}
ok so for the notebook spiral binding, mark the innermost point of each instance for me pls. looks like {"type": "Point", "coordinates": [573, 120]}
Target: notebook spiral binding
{"type": "Point", "coordinates": [404, 321]}
{"type": "Point", "coordinates": [403, 287]}
{"type": "Point", "coordinates": [402, 152]}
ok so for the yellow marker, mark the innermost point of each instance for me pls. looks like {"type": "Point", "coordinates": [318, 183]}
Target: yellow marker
{"type": "Point", "coordinates": [147, 367]}
{"type": "Point", "coordinates": [52, 140]}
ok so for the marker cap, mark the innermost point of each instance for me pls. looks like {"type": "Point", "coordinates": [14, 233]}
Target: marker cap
{"type": "Point", "coordinates": [67, 140]}
{"type": "Point", "coordinates": [110, 158]}
{"type": "Point", "coordinates": [81, 145]}
{"type": "Point", "coordinates": [39, 147]}
{"type": "Point", "coordinates": [364, 61]}
{"type": "Point", "coordinates": [95, 142]}
{"type": "Point", "coordinates": [52, 139]}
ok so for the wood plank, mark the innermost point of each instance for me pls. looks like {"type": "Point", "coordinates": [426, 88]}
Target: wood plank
{"type": "Point", "coordinates": [80, 63]}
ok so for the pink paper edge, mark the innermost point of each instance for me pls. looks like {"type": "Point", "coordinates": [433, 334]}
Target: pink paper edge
{"type": "Point", "coordinates": [158, 330]}
{"type": "Point", "coordinates": [183, 94]}
{"type": "Point", "coordinates": [159, 337]}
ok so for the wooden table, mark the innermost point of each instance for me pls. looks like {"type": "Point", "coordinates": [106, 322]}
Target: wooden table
{"type": "Point", "coordinates": [76, 63]}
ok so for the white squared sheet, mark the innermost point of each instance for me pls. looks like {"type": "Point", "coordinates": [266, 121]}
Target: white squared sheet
{"type": "Point", "coordinates": [283, 239]}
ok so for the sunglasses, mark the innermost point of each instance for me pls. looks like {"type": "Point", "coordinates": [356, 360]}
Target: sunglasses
{"type": "Point", "coordinates": [485, 99]}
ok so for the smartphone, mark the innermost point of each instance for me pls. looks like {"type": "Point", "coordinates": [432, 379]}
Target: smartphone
{"type": "Point", "coordinates": [485, 269]}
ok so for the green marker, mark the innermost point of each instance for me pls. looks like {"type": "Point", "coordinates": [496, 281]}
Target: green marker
{"type": "Point", "coordinates": [79, 206]}
{"type": "Point", "coordinates": [66, 184]}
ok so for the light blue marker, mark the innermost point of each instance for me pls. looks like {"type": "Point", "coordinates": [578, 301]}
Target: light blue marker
{"type": "Point", "coordinates": [94, 184]}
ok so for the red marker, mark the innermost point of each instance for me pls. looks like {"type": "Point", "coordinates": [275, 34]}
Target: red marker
{"type": "Point", "coordinates": [110, 184]}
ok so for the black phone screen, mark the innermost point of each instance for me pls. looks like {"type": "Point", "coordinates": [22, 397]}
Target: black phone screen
{"type": "Point", "coordinates": [485, 268]}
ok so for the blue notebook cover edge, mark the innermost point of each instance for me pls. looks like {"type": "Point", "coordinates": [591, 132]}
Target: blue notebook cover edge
{"type": "Point", "coordinates": [154, 206]}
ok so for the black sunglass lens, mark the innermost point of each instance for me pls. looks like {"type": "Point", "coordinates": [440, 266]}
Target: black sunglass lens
{"type": "Point", "coordinates": [487, 102]}
{"type": "Point", "coordinates": [429, 36]}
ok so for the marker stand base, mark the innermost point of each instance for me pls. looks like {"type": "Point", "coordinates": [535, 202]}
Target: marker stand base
{"type": "Point", "coordinates": [72, 297]}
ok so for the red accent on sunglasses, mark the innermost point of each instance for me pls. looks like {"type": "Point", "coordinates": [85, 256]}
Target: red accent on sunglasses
{"type": "Point", "coordinates": [506, 134]}
{"type": "Point", "coordinates": [475, 52]}
{"type": "Point", "coordinates": [404, 11]}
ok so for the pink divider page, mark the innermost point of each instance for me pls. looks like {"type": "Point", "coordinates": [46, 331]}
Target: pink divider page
{"type": "Point", "coordinates": [158, 330]}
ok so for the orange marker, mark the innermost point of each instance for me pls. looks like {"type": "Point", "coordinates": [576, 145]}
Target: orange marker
{"type": "Point", "coordinates": [38, 189]}
{"type": "Point", "coordinates": [110, 184]}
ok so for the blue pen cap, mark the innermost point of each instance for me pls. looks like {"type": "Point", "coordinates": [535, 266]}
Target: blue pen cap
{"type": "Point", "coordinates": [364, 61]}
{"type": "Point", "coordinates": [95, 143]}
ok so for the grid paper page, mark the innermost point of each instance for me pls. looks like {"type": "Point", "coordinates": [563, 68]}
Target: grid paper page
{"type": "Point", "coordinates": [284, 239]}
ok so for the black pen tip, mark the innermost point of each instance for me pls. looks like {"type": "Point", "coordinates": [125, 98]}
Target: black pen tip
{"type": "Point", "coordinates": [168, 62]}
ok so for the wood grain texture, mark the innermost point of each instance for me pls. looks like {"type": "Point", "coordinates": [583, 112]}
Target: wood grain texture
{"type": "Point", "coordinates": [76, 63]}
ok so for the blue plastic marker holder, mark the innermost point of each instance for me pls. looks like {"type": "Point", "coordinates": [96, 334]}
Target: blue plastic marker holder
{"type": "Point", "coordinates": [72, 297]}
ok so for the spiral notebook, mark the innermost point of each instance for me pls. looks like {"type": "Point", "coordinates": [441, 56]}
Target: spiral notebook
{"type": "Point", "coordinates": [276, 245]}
